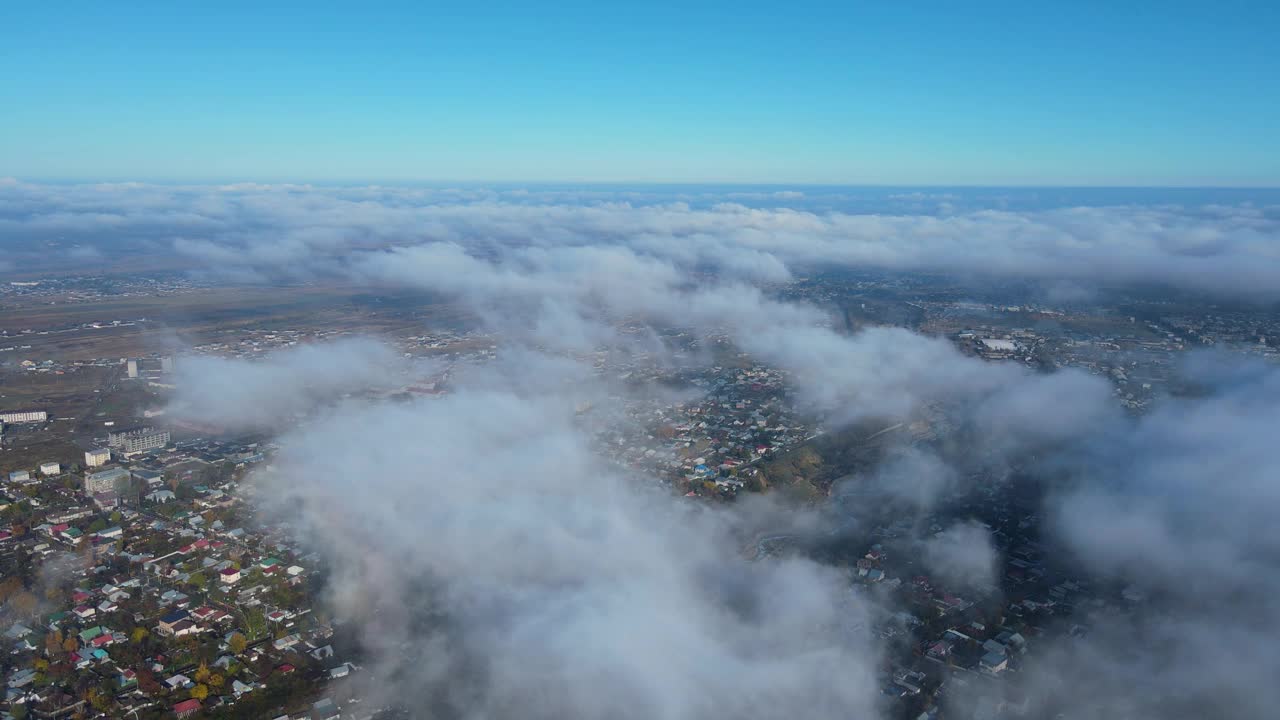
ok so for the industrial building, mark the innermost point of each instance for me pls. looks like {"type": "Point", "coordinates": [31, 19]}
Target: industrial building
{"type": "Point", "coordinates": [24, 416]}
{"type": "Point", "coordinates": [140, 440]}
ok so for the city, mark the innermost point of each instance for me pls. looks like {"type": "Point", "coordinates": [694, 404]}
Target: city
{"type": "Point", "coordinates": [639, 361]}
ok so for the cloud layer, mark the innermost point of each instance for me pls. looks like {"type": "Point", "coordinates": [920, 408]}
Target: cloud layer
{"type": "Point", "coordinates": [543, 581]}
{"type": "Point", "coordinates": [1219, 247]}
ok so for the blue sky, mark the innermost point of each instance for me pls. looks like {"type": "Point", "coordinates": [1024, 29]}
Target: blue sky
{"type": "Point", "coordinates": [1078, 93]}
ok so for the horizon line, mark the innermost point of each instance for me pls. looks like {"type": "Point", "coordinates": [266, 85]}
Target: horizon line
{"type": "Point", "coordinates": [367, 182]}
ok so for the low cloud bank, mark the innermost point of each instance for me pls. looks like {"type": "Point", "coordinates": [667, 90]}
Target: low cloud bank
{"type": "Point", "coordinates": [302, 231]}
{"type": "Point", "coordinates": [264, 395]}
{"type": "Point", "coordinates": [543, 581]}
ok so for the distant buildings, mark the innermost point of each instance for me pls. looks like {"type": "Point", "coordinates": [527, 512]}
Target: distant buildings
{"type": "Point", "coordinates": [12, 552]}
{"type": "Point", "coordinates": [50, 468]}
{"type": "Point", "coordinates": [131, 442]}
{"type": "Point", "coordinates": [19, 476]}
{"type": "Point", "coordinates": [97, 458]}
{"type": "Point", "coordinates": [24, 416]}
{"type": "Point", "coordinates": [104, 482]}
{"type": "Point", "coordinates": [132, 368]}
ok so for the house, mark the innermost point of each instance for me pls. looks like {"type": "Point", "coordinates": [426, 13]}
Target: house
{"type": "Point", "coordinates": [111, 533]}
{"type": "Point", "coordinates": [994, 663]}
{"type": "Point", "coordinates": [84, 612]}
{"type": "Point", "coordinates": [208, 614]}
{"type": "Point", "coordinates": [287, 642]}
{"type": "Point", "coordinates": [84, 657]}
{"type": "Point", "coordinates": [939, 650]}
{"type": "Point", "coordinates": [22, 678]}
{"type": "Point", "coordinates": [183, 628]}
{"type": "Point", "coordinates": [161, 496]}
{"type": "Point", "coordinates": [178, 681]}
{"type": "Point", "coordinates": [170, 620]}
{"type": "Point", "coordinates": [187, 708]}
{"type": "Point", "coordinates": [173, 597]}
{"type": "Point", "coordinates": [321, 653]}
{"type": "Point", "coordinates": [229, 576]}
{"type": "Point", "coordinates": [324, 709]}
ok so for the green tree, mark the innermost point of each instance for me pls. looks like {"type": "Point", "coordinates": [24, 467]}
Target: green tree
{"type": "Point", "coordinates": [116, 517]}
{"type": "Point", "coordinates": [255, 622]}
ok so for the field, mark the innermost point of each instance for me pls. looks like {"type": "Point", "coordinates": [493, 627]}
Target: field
{"type": "Point", "coordinates": [82, 399]}
{"type": "Point", "coordinates": [164, 324]}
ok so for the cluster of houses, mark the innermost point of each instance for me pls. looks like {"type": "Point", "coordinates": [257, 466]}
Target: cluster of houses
{"type": "Point", "coordinates": [135, 591]}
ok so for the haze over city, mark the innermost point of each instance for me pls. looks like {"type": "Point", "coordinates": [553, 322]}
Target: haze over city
{"type": "Point", "coordinates": [587, 361]}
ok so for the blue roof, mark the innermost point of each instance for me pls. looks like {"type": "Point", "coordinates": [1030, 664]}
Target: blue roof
{"type": "Point", "coordinates": [174, 616]}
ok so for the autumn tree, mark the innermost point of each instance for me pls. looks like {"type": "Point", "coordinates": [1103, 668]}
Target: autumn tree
{"type": "Point", "coordinates": [99, 700]}
{"type": "Point", "coordinates": [10, 587]}
{"type": "Point", "coordinates": [53, 642]}
{"type": "Point", "coordinates": [147, 682]}
{"type": "Point", "coordinates": [70, 645]}
{"type": "Point", "coordinates": [138, 635]}
{"type": "Point", "coordinates": [200, 692]}
{"type": "Point", "coordinates": [25, 603]}
{"type": "Point", "coordinates": [237, 643]}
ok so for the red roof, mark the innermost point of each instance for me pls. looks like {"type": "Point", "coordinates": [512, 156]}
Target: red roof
{"type": "Point", "coordinates": [185, 706]}
{"type": "Point", "coordinates": [230, 571]}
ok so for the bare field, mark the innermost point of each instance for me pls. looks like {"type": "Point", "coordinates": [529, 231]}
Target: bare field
{"type": "Point", "coordinates": [165, 324]}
